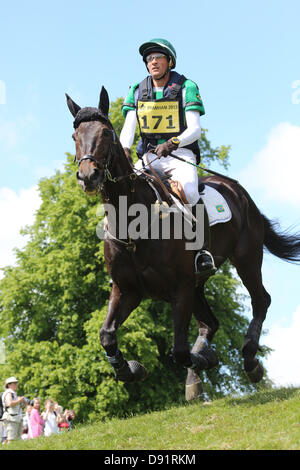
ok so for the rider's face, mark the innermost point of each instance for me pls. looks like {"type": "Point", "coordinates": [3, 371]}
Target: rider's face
{"type": "Point", "coordinates": [158, 66]}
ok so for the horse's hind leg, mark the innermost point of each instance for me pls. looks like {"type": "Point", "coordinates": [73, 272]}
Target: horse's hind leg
{"type": "Point", "coordinates": [207, 358]}
{"type": "Point", "coordinates": [249, 270]}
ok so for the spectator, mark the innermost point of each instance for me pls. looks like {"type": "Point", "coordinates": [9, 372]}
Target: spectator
{"type": "Point", "coordinates": [36, 422]}
{"type": "Point", "coordinates": [58, 410]}
{"type": "Point", "coordinates": [50, 418]}
{"type": "Point", "coordinates": [68, 417]}
{"type": "Point", "coordinates": [26, 423]}
{"type": "Point", "coordinates": [12, 416]}
{"type": "Point", "coordinates": [3, 434]}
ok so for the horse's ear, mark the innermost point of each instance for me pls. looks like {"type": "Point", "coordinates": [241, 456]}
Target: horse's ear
{"type": "Point", "coordinates": [104, 102]}
{"type": "Point", "coordinates": [73, 107]}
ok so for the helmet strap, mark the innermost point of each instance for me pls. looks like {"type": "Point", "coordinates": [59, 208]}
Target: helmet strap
{"type": "Point", "coordinates": [163, 76]}
{"type": "Point", "coordinates": [167, 71]}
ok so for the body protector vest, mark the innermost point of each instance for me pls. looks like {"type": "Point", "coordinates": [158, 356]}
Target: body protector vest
{"type": "Point", "coordinates": [161, 118]}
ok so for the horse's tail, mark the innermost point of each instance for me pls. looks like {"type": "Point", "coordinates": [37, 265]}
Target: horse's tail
{"type": "Point", "coordinates": [281, 243]}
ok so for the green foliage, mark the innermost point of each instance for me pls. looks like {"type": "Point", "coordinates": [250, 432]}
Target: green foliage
{"type": "Point", "coordinates": [118, 119]}
{"type": "Point", "coordinates": [54, 301]}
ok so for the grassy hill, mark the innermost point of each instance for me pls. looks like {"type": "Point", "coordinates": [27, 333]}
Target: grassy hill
{"type": "Point", "coordinates": [265, 420]}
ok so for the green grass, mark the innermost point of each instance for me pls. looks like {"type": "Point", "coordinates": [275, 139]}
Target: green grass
{"type": "Point", "coordinates": [265, 420]}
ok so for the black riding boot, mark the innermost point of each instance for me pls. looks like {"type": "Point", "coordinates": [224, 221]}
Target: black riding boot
{"type": "Point", "coordinates": [204, 261]}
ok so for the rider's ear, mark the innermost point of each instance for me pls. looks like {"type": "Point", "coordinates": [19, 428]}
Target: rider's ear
{"type": "Point", "coordinates": [104, 102]}
{"type": "Point", "coordinates": [73, 107]}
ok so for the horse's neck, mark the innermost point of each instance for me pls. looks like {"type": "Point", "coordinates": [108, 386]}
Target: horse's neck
{"type": "Point", "coordinates": [128, 183]}
{"type": "Point", "coordinates": [129, 189]}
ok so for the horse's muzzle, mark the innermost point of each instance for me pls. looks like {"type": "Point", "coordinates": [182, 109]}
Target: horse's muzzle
{"type": "Point", "coordinates": [90, 182]}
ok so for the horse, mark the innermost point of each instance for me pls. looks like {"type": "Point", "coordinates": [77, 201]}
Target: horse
{"type": "Point", "coordinates": [164, 268]}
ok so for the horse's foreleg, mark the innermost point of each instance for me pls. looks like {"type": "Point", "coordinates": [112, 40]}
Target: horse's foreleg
{"type": "Point", "coordinates": [120, 307]}
{"type": "Point", "coordinates": [182, 308]}
{"type": "Point", "coordinates": [204, 357]}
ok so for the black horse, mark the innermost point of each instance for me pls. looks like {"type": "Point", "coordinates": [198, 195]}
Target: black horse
{"type": "Point", "coordinates": [164, 269]}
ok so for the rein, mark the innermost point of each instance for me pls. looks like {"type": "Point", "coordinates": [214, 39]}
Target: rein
{"type": "Point", "coordinates": [157, 179]}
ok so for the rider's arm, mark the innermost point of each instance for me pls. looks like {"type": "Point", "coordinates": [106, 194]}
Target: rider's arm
{"type": "Point", "coordinates": [128, 130]}
{"type": "Point", "coordinates": [193, 130]}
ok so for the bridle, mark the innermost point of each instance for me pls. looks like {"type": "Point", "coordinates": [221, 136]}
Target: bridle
{"type": "Point", "coordinates": [109, 161]}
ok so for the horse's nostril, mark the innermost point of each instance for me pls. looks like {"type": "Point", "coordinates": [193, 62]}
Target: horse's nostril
{"type": "Point", "coordinates": [95, 175]}
{"type": "Point", "coordinates": [78, 175]}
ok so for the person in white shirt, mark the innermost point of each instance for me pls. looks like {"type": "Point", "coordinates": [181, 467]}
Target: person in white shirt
{"type": "Point", "coordinates": [50, 418]}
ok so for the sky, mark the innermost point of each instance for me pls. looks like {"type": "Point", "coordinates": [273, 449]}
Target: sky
{"type": "Point", "coordinates": [244, 56]}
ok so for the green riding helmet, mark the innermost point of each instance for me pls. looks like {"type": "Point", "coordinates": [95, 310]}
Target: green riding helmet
{"type": "Point", "coordinates": [158, 45]}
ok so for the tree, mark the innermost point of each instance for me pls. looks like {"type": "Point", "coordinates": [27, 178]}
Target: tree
{"type": "Point", "coordinates": [54, 301]}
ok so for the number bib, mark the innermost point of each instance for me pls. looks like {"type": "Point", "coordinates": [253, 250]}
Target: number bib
{"type": "Point", "coordinates": [158, 117]}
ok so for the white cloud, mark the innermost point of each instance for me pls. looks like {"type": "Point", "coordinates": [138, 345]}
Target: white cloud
{"type": "Point", "coordinates": [283, 365]}
{"type": "Point", "coordinates": [276, 168]}
{"type": "Point", "coordinates": [17, 209]}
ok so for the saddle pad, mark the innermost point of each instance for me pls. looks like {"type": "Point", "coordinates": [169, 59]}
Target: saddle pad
{"type": "Point", "coordinates": [216, 206]}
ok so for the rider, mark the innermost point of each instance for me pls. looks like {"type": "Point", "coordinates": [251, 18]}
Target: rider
{"type": "Point", "coordinates": [167, 107]}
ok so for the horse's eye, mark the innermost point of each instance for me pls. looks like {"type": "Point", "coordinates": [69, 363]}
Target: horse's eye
{"type": "Point", "coordinates": [105, 132]}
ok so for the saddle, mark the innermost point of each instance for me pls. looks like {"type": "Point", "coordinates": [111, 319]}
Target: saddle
{"type": "Point", "coordinates": [216, 206]}
{"type": "Point", "coordinates": [177, 189]}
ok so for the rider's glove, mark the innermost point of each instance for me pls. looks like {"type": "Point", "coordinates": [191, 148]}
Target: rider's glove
{"type": "Point", "coordinates": [163, 150]}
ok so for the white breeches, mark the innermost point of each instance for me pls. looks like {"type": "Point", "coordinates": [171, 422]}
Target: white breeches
{"type": "Point", "coordinates": [183, 172]}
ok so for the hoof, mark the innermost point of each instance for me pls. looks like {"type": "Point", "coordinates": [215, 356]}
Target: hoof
{"type": "Point", "coordinates": [193, 386]}
{"type": "Point", "coordinates": [138, 371]}
{"type": "Point", "coordinates": [193, 391]}
{"type": "Point", "coordinates": [256, 374]}
{"type": "Point", "coordinates": [131, 371]}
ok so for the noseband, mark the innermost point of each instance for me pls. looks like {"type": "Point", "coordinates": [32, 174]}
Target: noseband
{"type": "Point", "coordinates": [108, 163]}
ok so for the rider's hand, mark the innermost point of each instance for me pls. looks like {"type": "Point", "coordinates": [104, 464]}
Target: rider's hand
{"type": "Point", "coordinates": [163, 150]}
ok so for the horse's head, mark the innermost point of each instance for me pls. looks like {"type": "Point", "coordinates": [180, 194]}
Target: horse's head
{"type": "Point", "coordinates": [94, 139]}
